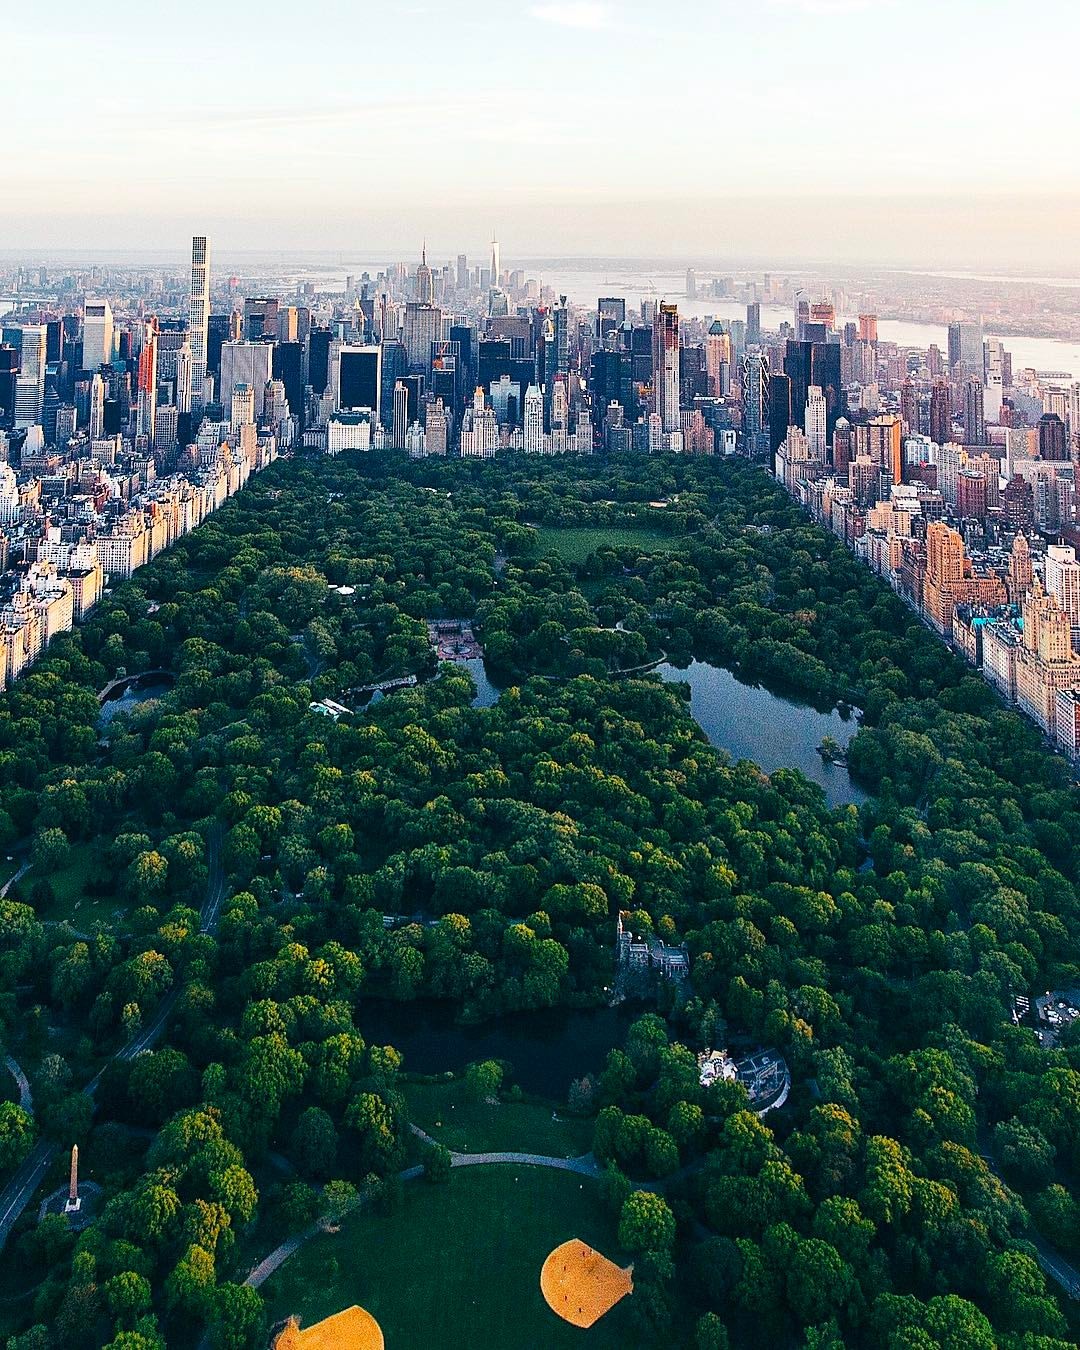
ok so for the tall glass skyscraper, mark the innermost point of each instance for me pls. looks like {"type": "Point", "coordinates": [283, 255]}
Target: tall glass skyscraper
{"type": "Point", "coordinates": [199, 314]}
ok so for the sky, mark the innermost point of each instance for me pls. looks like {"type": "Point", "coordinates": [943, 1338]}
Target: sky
{"type": "Point", "coordinates": [933, 132]}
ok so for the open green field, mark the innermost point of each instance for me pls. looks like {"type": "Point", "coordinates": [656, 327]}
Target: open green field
{"type": "Point", "coordinates": [71, 903]}
{"type": "Point", "coordinates": [574, 544]}
{"type": "Point", "coordinates": [459, 1265]}
{"type": "Point", "coordinates": [450, 1114]}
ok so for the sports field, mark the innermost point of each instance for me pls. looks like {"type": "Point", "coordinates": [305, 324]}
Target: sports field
{"type": "Point", "coordinates": [459, 1265]}
{"type": "Point", "coordinates": [574, 544]}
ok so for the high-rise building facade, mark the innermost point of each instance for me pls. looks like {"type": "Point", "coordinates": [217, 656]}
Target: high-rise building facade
{"type": "Point", "coordinates": [666, 368]}
{"type": "Point", "coordinates": [199, 315]}
{"type": "Point", "coordinates": [97, 334]}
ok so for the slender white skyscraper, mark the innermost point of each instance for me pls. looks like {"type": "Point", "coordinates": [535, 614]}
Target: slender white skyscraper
{"type": "Point", "coordinates": [199, 314]}
{"type": "Point", "coordinates": [97, 407]}
{"type": "Point", "coordinates": [815, 422]}
{"type": "Point", "coordinates": [97, 334]}
{"type": "Point", "coordinates": [496, 262]}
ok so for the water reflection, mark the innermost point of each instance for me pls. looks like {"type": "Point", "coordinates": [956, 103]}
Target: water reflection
{"type": "Point", "coordinates": [776, 733]}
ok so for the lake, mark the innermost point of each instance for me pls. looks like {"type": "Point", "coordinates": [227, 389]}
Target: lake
{"type": "Point", "coordinates": [748, 721]}
{"type": "Point", "coordinates": [775, 732]}
{"type": "Point", "coordinates": [548, 1048]}
{"type": "Point", "coordinates": [131, 698]}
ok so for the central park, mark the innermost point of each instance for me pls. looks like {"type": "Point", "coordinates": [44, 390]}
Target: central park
{"type": "Point", "coordinates": [365, 980]}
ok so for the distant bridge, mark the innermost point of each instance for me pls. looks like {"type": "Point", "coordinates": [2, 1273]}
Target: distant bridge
{"type": "Point", "coordinates": [122, 683]}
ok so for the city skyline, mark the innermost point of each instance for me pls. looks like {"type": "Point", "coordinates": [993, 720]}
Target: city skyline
{"type": "Point", "coordinates": [783, 140]}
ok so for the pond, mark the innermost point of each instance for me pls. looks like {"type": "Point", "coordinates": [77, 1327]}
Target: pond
{"type": "Point", "coordinates": [548, 1048]}
{"type": "Point", "coordinates": [132, 696]}
{"type": "Point", "coordinates": [776, 733]}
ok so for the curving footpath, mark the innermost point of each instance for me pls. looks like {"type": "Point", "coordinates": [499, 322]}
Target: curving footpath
{"type": "Point", "coordinates": [19, 1191]}
{"type": "Point", "coordinates": [26, 1100]}
{"type": "Point", "coordinates": [585, 1165]}
{"type": "Point", "coordinates": [12, 880]}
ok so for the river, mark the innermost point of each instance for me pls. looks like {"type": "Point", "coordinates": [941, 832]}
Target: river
{"type": "Point", "coordinates": [584, 288]}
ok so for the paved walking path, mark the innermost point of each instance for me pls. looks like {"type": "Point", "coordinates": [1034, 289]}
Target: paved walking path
{"type": "Point", "coordinates": [585, 1165]}
{"type": "Point", "coordinates": [12, 880]}
{"type": "Point", "coordinates": [26, 1100]}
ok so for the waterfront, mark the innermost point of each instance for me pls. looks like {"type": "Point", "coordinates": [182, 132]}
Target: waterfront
{"type": "Point", "coordinates": [548, 1048]}
{"type": "Point", "coordinates": [751, 722]}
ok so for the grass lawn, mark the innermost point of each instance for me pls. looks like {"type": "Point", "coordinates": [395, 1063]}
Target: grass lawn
{"type": "Point", "coordinates": [574, 544]}
{"type": "Point", "coordinates": [70, 899]}
{"type": "Point", "coordinates": [450, 1114]}
{"type": "Point", "coordinates": [459, 1265]}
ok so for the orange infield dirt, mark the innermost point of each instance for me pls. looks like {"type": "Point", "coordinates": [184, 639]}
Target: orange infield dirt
{"type": "Point", "coordinates": [351, 1329]}
{"type": "Point", "coordinates": [581, 1285]}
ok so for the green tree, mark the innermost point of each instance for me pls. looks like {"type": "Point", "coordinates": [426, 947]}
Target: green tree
{"type": "Point", "coordinates": [646, 1223]}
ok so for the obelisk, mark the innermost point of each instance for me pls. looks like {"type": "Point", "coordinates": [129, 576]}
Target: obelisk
{"type": "Point", "coordinates": [73, 1201]}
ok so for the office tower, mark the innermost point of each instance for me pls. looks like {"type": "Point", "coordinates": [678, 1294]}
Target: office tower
{"type": "Point", "coordinates": [1063, 582]}
{"type": "Point", "coordinates": [909, 408]}
{"type": "Point", "coordinates": [808, 363]}
{"type": "Point", "coordinates": [691, 284]}
{"type": "Point", "coordinates": [97, 334]}
{"type": "Point", "coordinates": [422, 327]}
{"type": "Point", "coordinates": [462, 272]}
{"type": "Point", "coordinates": [971, 495]}
{"type": "Point", "coordinates": [496, 261]}
{"type": "Point", "coordinates": [30, 384]}
{"type": "Point", "coordinates": [823, 312]}
{"type": "Point", "coordinates": [318, 359]}
{"type": "Point", "coordinates": [165, 428]}
{"type": "Point", "coordinates": [665, 373]}
{"type": "Point", "coordinates": [868, 329]}
{"type": "Point", "coordinates": [245, 363]}
{"type": "Point", "coordinates": [966, 349]}
{"type": "Point", "coordinates": [974, 417]}
{"type": "Point", "coordinates": [1021, 572]}
{"type": "Point", "coordinates": [1053, 438]}
{"type": "Point", "coordinates": [242, 406]}
{"type": "Point", "coordinates": [185, 366]}
{"type": "Point", "coordinates": [717, 360]}
{"type": "Point", "coordinates": [199, 317]}
{"type": "Point", "coordinates": [753, 323]}
{"type": "Point", "coordinates": [356, 377]}
{"type": "Point", "coordinates": [610, 315]}
{"type": "Point", "coordinates": [220, 328]}
{"type": "Point", "coordinates": [534, 420]}
{"type": "Point", "coordinates": [96, 421]}
{"type": "Point", "coordinates": [401, 415]}
{"type": "Point", "coordinates": [436, 428]}
{"type": "Point", "coordinates": [940, 413]}
{"type": "Point", "coordinates": [9, 374]}
{"type": "Point", "coordinates": [756, 401]}
{"type": "Point", "coordinates": [425, 282]}
{"type": "Point", "coordinates": [779, 410]}
{"type": "Point", "coordinates": [815, 424]}
{"type": "Point", "coordinates": [260, 317]}
{"type": "Point", "coordinates": [885, 443]}
{"type": "Point", "coordinates": [288, 367]}
{"type": "Point", "coordinates": [146, 380]}
{"type": "Point", "coordinates": [1019, 499]}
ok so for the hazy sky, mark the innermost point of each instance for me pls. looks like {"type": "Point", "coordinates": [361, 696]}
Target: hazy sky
{"type": "Point", "coordinates": [916, 130]}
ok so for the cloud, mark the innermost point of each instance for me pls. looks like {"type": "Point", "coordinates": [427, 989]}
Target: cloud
{"type": "Point", "coordinates": [828, 6]}
{"type": "Point", "coordinates": [575, 13]}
